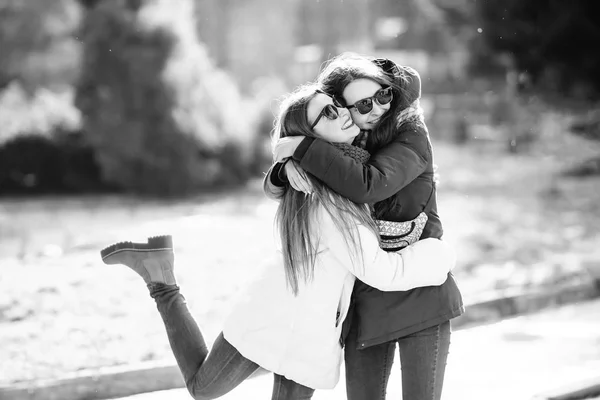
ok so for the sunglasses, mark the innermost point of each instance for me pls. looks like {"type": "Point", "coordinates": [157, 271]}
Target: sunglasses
{"type": "Point", "coordinates": [382, 97]}
{"type": "Point", "coordinates": [330, 111]}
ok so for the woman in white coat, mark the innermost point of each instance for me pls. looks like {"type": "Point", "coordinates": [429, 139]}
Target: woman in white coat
{"type": "Point", "coordinates": [289, 321]}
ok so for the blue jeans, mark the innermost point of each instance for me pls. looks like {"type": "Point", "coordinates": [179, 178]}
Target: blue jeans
{"type": "Point", "coordinates": [423, 358]}
{"type": "Point", "coordinates": [210, 375]}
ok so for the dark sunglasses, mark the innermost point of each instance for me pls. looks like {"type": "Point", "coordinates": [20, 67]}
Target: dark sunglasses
{"type": "Point", "coordinates": [382, 97]}
{"type": "Point", "coordinates": [330, 111]}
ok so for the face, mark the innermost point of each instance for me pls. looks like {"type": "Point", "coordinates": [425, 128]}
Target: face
{"type": "Point", "coordinates": [339, 130]}
{"type": "Point", "coordinates": [361, 89]}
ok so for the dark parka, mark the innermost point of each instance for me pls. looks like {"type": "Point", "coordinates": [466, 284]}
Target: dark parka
{"type": "Point", "coordinates": [403, 169]}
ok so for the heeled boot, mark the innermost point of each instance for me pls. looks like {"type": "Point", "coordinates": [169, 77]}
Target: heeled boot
{"type": "Point", "coordinates": [153, 261]}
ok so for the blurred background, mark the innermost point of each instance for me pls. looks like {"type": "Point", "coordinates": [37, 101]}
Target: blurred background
{"type": "Point", "coordinates": [163, 99]}
{"type": "Point", "coordinates": [124, 117]}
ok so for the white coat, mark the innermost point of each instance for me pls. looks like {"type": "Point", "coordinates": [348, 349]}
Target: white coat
{"type": "Point", "coordinates": [299, 336]}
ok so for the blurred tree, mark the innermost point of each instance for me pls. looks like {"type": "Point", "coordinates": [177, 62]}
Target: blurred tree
{"type": "Point", "coordinates": [162, 119]}
{"type": "Point", "coordinates": [35, 41]}
{"type": "Point", "coordinates": [424, 25]}
{"type": "Point", "coordinates": [552, 41]}
{"type": "Point", "coordinates": [588, 127]}
{"type": "Point", "coordinates": [335, 26]}
{"type": "Point", "coordinates": [214, 25]}
{"type": "Point", "coordinates": [34, 164]}
{"type": "Point", "coordinates": [31, 163]}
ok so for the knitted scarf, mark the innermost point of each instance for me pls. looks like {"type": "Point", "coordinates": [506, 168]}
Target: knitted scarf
{"type": "Point", "coordinates": [357, 153]}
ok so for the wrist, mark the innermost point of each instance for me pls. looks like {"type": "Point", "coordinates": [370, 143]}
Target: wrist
{"type": "Point", "coordinates": [278, 177]}
{"type": "Point", "coordinates": [281, 174]}
{"type": "Point", "coordinates": [302, 148]}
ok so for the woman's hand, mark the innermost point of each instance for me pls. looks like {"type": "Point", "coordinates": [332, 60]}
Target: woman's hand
{"type": "Point", "coordinates": [285, 147]}
{"type": "Point", "coordinates": [297, 177]}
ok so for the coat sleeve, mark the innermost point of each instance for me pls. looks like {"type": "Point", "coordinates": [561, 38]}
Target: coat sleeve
{"type": "Point", "coordinates": [425, 263]}
{"type": "Point", "coordinates": [389, 170]}
{"type": "Point", "coordinates": [273, 184]}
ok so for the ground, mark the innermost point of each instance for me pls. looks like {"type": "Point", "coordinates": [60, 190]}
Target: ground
{"type": "Point", "coordinates": [513, 218]}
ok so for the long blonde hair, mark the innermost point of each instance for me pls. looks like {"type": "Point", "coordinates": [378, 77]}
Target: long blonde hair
{"type": "Point", "coordinates": [295, 212]}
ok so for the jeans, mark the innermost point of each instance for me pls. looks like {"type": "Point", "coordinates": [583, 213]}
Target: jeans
{"type": "Point", "coordinates": [210, 375]}
{"type": "Point", "coordinates": [423, 358]}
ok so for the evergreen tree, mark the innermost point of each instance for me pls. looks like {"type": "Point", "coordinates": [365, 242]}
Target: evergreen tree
{"type": "Point", "coordinates": [162, 119]}
{"type": "Point", "coordinates": [36, 45]}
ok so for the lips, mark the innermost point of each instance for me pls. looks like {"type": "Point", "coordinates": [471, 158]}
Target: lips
{"type": "Point", "coordinates": [349, 123]}
{"type": "Point", "coordinates": [375, 121]}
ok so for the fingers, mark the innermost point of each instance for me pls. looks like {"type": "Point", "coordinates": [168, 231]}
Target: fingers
{"type": "Point", "coordinates": [297, 177]}
{"type": "Point", "coordinates": [297, 185]}
{"type": "Point", "coordinates": [308, 188]}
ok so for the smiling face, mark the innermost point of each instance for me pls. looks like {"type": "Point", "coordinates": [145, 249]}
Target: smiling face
{"type": "Point", "coordinates": [361, 89]}
{"type": "Point", "coordinates": [339, 130]}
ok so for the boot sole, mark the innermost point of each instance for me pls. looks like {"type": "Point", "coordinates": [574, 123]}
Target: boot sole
{"type": "Point", "coordinates": [155, 243]}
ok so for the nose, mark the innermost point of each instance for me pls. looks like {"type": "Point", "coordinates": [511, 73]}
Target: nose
{"type": "Point", "coordinates": [343, 111]}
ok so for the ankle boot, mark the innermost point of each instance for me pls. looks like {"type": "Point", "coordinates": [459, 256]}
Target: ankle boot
{"type": "Point", "coordinates": [153, 260]}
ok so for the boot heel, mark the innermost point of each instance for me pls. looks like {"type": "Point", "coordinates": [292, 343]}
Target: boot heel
{"type": "Point", "coordinates": [160, 242]}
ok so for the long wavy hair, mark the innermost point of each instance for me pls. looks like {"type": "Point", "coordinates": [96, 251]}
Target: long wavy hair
{"type": "Point", "coordinates": [296, 212]}
{"type": "Point", "coordinates": [347, 67]}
